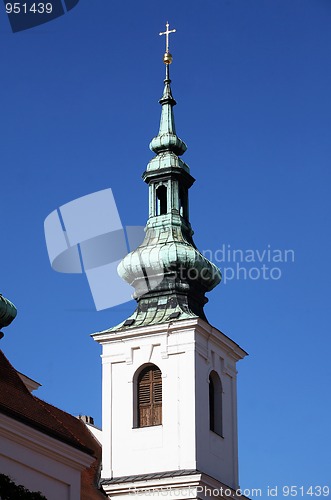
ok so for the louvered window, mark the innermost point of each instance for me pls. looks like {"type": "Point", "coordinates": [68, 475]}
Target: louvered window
{"type": "Point", "coordinates": [149, 397]}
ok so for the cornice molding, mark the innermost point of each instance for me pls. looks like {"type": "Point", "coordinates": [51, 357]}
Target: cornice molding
{"type": "Point", "coordinates": [48, 446]}
{"type": "Point", "coordinates": [166, 329]}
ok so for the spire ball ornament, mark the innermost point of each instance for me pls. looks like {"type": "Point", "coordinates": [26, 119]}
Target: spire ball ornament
{"type": "Point", "coordinates": [167, 58]}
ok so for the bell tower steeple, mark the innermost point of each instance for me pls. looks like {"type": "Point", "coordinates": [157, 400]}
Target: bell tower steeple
{"type": "Point", "coordinates": [168, 147]}
{"type": "Point", "coordinates": [166, 165]}
{"type": "Point", "coordinates": [169, 274]}
{"type": "Point", "coordinates": [169, 377]}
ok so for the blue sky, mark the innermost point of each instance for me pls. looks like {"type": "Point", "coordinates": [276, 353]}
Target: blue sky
{"type": "Point", "coordinates": [252, 80]}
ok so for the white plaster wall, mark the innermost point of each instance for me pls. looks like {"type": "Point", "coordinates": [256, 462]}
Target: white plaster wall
{"type": "Point", "coordinates": [97, 433]}
{"type": "Point", "coordinates": [35, 480]}
{"type": "Point", "coordinates": [217, 455]}
{"type": "Point", "coordinates": [185, 352]}
{"type": "Point", "coordinates": [171, 446]}
{"type": "Point", "coordinates": [37, 472]}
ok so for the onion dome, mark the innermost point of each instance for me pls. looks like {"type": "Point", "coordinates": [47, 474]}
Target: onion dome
{"type": "Point", "coordinates": [8, 312]}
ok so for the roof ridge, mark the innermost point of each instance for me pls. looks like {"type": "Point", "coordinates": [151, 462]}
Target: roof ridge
{"type": "Point", "coordinates": [16, 377]}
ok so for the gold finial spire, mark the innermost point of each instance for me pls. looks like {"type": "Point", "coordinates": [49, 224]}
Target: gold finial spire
{"type": "Point", "coordinates": [167, 58]}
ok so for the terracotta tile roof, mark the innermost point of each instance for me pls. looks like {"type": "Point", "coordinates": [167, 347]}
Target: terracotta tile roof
{"type": "Point", "coordinates": [17, 402]}
{"type": "Point", "coordinates": [90, 477]}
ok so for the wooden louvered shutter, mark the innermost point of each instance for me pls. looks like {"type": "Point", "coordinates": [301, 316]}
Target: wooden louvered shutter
{"type": "Point", "coordinates": [150, 397]}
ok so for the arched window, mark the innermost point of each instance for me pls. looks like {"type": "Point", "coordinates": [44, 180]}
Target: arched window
{"type": "Point", "coordinates": [215, 404]}
{"type": "Point", "coordinates": [149, 397]}
{"type": "Point", "coordinates": [161, 200]}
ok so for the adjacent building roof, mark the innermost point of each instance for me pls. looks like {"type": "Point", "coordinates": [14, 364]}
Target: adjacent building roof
{"type": "Point", "coordinates": [17, 402]}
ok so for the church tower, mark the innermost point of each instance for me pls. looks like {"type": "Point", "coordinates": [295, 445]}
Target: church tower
{"type": "Point", "coordinates": [169, 377]}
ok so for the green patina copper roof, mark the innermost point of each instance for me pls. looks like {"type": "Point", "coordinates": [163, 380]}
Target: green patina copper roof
{"type": "Point", "coordinates": [167, 139]}
{"type": "Point", "coordinates": [8, 312]}
{"type": "Point", "coordinates": [169, 274]}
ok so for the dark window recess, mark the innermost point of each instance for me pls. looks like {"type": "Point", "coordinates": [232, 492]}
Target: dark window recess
{"type": "Point", "coordinates": [175, 315]}
{"type": "Point", "coordinates": [211, 404]}
{"type": "Point", "coordinates": [129, 322]}
{"type": "Point", "coordinates": [183, 202]}
{"type": "Point", "coordinates": [150, 397]}
{"type": "Point", "coordinates": [215, 404]}
{"type": "Point", "coordinates": [161, 200]}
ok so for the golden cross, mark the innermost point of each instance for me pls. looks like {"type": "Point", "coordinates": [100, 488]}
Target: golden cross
{"type": "Point", "coordinates": [167, 33]}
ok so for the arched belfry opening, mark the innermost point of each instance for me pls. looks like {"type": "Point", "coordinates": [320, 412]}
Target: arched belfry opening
{"type": "Point", "coordinates": [161, 200]}
{"type": "Point", "coordinates": [183, 203]}
{"type": "Point", "coordinates": [215, 404]}
{"type": "Point", "coordinates": [148, 400]}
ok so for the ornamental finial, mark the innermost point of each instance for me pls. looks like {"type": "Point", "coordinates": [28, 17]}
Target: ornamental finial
{"type": "Point", "coordinates": [167, 58]}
